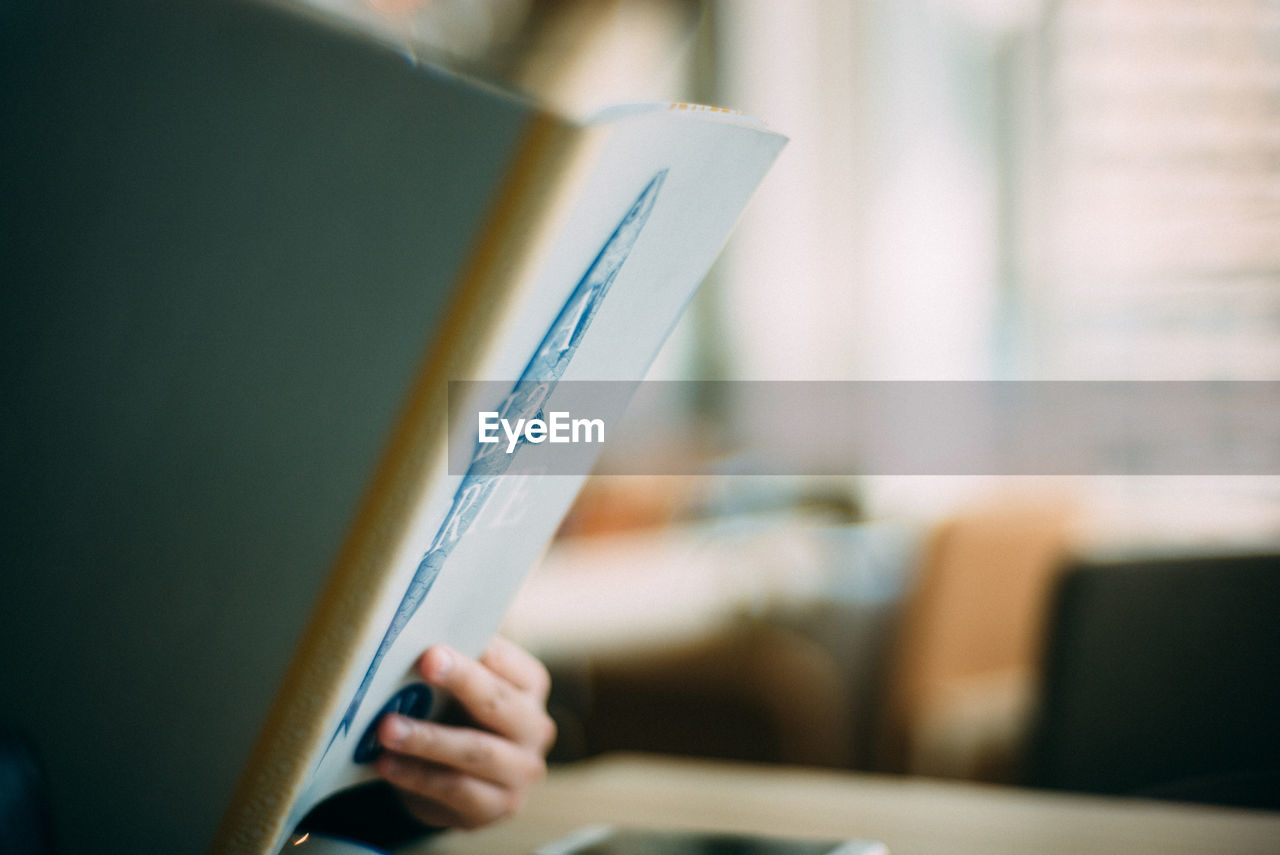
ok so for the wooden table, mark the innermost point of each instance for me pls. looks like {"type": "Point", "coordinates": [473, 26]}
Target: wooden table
{"type": "Point", "coordinates": [913, 816]}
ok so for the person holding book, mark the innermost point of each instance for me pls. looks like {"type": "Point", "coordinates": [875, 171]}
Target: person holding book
{"type": "Point", "coordinates": [464, 772]}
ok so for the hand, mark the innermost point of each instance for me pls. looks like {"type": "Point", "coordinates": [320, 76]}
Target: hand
{"type": "Point", "coordinates": [466, 777]}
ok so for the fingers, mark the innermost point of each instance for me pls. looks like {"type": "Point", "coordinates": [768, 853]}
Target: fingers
{"type": "Point", "coordinates": [493, 700]}
{"type": "Point", "coordinates": [470, 776]}
{"type": "Point", "coordinates": [473, 752]}
{"type": "Point", "coordinates": [446, 797]}
{"type": "Point", "coordinates": [519, 667]}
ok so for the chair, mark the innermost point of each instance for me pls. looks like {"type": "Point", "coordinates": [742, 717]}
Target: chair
{"type": "Point", "coordinates": [962, 677]}
{"type": "Point", "coordinates": [1162, 677]}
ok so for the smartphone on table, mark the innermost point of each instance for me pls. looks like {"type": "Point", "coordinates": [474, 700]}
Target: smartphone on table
{"type": "Point", "coordinates": [610, 840]}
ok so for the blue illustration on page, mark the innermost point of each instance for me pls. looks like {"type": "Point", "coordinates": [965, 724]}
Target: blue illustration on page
{"type": "Point", "coordinates": [525, 400]}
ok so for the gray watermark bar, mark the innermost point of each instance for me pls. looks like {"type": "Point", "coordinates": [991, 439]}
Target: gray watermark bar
{"type": "Point", "coordinates": [869, 428]}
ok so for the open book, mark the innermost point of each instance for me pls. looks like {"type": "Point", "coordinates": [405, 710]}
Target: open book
{"type": "Point", "coordinates": [251, 254]}
{"type": "Point", "coordinates": [599, 234]}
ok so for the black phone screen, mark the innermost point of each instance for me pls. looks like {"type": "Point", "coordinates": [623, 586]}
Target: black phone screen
{"type": "Point", "coordinates": [649, 842]}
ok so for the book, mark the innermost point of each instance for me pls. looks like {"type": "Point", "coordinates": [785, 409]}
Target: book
{"type": "Point", "coordinates": [249, 251]}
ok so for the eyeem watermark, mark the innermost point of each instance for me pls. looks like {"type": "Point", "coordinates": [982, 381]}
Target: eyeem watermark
{"type": "Point", "coordinates": [558, 427]}
{"type": "Point", "coordinates": [867, 427]}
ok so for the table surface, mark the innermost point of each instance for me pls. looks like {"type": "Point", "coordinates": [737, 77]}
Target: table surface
{"type": "Point", "coordinates": [912, 816]}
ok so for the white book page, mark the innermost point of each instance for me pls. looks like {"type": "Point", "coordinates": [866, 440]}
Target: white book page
{"type": "Point", "coordinates": [665, 186]}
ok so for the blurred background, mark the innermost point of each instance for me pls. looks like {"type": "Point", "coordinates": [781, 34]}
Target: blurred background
{"type": "Point", "coordinates": [974, 190]}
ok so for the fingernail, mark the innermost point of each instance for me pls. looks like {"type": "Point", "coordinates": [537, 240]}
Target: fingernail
{"type": "Point", "coordinates": [394, 731]}
{"type": "Point", "coordinates": [443, 662]}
